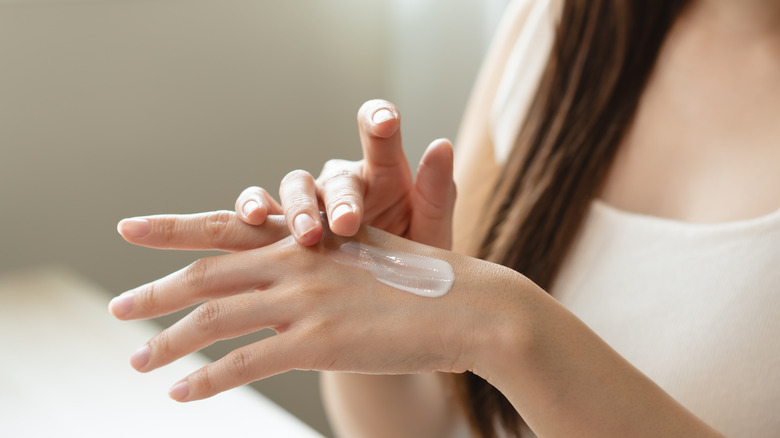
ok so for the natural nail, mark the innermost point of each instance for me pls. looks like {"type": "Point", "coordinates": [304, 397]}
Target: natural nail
{"type": "Point", "coordinates": [382, 116]}
{"type": "Point", "coordinates": [122, 305]}
{"type": "Point", "coordinates": [303, 224]}
{"type": "Point", "coordinates": [341, 210]}
{"type": "Point", "coordinates": [134, 228]}
{"type": "Point", "coordinates": [140, 358]}
{"type": "Point", "coordinates": [250, 207]}
{"type": "Point", "coordinates": [180, 391]}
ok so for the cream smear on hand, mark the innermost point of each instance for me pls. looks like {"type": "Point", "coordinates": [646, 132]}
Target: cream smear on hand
{"type": "Point", "coordinates": [420, 275]}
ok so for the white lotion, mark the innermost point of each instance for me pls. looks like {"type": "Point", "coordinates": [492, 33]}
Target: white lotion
{"type": "Point", "coordinates": [420, 275]}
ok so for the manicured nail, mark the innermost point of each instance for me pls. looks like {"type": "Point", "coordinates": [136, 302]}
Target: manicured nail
{"type": "Point", "coordinates": [122, 305]}
{"type": "Point", "coordinates": [382, 116]}
{"type": "Point", "coordinates": [341, 210]}
{"type": "Point", "coordinates": [180, 391]}
{"type": "Point", "coordinates": [250, 207]}
{"type": "Point", "coordinates": [303, 224]}
{"type": "Point", "coordinates": [140, 358]}
{"type": "Point", "coordinates": [134, 228]}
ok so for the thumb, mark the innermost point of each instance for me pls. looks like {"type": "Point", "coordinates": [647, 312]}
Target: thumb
{"type": "Point", "coordinates": [433, 197]}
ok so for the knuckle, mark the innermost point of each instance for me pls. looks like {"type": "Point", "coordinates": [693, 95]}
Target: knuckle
{"type": "Point", "coordinates": [299, 202]}
{"type": "Point", "coordinates": [346, 193]}
{"type": "Point", "coordinates": [149, 297]}
{"type": "Point", "coordinates": [238, 364]}
{"type": "Point", "coordinates": [166, 227]}
{"type": "Point", "coordinates": [334, 163]}
{"type": "Point", "coordinates": [217, 225]}
{"type": "Point", "coordinates": [262, 193]}
{"type": "Point", "coordinates": [161, 344]}
{"type": "Point", "coordinates": [318, 354]}
{"type": "Point", "coordinates": [196, 274]}
{"type": "Point", "coordinates": [204, 380]}
{"type": "Point", "coordinates": [207, 316]}
{"type": "Point", "coordinates": [338, 176]}
{"type": "Point", "coordinates": [341, 184]}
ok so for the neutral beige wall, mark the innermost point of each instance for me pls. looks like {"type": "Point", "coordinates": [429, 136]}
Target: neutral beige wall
{"type": "Point", "coordinates": [435, 50]}
{"type": "Point", "coordinates": [112, 108]}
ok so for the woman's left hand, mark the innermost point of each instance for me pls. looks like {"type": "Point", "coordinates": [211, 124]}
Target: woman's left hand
{"type": "Point", "coordinates": [328, 316]}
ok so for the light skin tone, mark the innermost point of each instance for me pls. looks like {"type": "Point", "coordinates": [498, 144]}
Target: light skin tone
{"type": "Point", "coordinates": [706, 129]}
{"type": "Point", "coordinates": [378, 190]}
{"type": "Point", "coordinates": [322, 322]}
{"type": "Point", "coordinates": [493, 322]}
{"type": "Point", "coordinates": [559, 375]}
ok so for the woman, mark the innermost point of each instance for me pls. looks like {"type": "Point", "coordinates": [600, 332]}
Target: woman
{"type": "Point", "coordinates": [598, 159]}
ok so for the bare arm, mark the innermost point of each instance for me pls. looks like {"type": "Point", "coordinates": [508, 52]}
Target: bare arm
{"type": "Point", "coordinates": [420, 405]}
{"type": "Point", "coordinates": [561, 377]}
{"type": "Point", "coordinates": [414, 405]}
{"type": "Point", "coordinates": [388, 406]}
{"type": "Point", "coordinates": [558, 374]}
{"type": "Point", "coordinates": [565, 380]}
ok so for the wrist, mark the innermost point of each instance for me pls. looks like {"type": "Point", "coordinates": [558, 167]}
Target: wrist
{"type": "Point", "coordinates": [499, 325]}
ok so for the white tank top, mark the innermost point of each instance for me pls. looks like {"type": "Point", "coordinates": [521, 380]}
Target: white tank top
{"type": "Point", "coordinates": [695, 307]}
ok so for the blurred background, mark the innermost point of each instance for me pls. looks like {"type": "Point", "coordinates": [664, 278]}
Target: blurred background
{"type": "Point", "coordinates": [117, 108]}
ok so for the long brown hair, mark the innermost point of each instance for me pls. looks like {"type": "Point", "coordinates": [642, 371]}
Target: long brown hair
{"type": "Point", "coordinates": [603, 53]}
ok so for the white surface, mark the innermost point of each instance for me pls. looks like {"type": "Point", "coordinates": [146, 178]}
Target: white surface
{"type": "Point", "coordinates": [64, 371]}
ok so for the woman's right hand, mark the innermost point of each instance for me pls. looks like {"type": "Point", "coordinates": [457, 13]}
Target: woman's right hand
{"type": "Point", "coordinates": [377, 190]}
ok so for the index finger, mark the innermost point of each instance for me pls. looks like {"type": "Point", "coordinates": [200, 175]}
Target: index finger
{"type": "Point", "coordinates": [220, 230]}
{"type": "Point", "coordinates": [380, 135]}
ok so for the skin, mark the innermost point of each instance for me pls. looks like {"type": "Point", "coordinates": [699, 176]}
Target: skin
{"type": "Point", "coordinates": [378, 190]}
{"type": "Point", "coordinates": [384, 195]}
{"type": "Point", "coordinates": [706, 130]}
{"type": "Point", "coordinates": [677, 161]}
{"type": "Point", "coordinates": [493, 321]}
{"type": "Point", "coordinates": [299, 292]}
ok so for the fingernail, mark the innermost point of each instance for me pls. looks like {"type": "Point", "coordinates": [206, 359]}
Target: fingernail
{"type": "Point", "coordinates": [303, 224]}
{"type": "Point", "coordinates": [341, 210]}
{"type": "Point", "coordinates": [122, 305]}
{"type": "Point", "coordinates": [382, 116]}
{"type": "Point", "coordinates": [140, 358]}
{"type": "Point", "coordinates": [250, 207]}
{"type": "Point", "coordinates": [180, 391]}
{"type": "Point", "coordinates": [134, 228]}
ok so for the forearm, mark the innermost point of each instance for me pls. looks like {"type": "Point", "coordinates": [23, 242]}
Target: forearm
{"type": "Point", "coordinates": [566, 381]}
{"type": "Point", "coordinates": [361, 405]}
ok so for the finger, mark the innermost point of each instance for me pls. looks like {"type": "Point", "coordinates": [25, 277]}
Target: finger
{"type": "Point", "coordinates": [221, 230]}
{"type": "Point", "coordinates": [256, 361]}
{"type": "Point", "coordinates": [380, 135]}
{"type": "Point", "coordinates": [301, 207]}
{"type": "Point", "coordinates": [212, 321]}
{"type": "Point", "coordinates": [341, 189]}
{"type": "Point", "coordinates": [433, 197]}
{"type": "Point", "coordinates": [210, 277]}
{"type": "Point", "coordinates": [254, 204]}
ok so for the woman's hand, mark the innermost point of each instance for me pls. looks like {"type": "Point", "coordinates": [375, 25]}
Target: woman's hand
{"type": "Point", "coordinates": [376, 191]}
{"type": "Point", "coordinates": [556, 372]}
{"type": "Point", "coordinates": [328, 316]}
